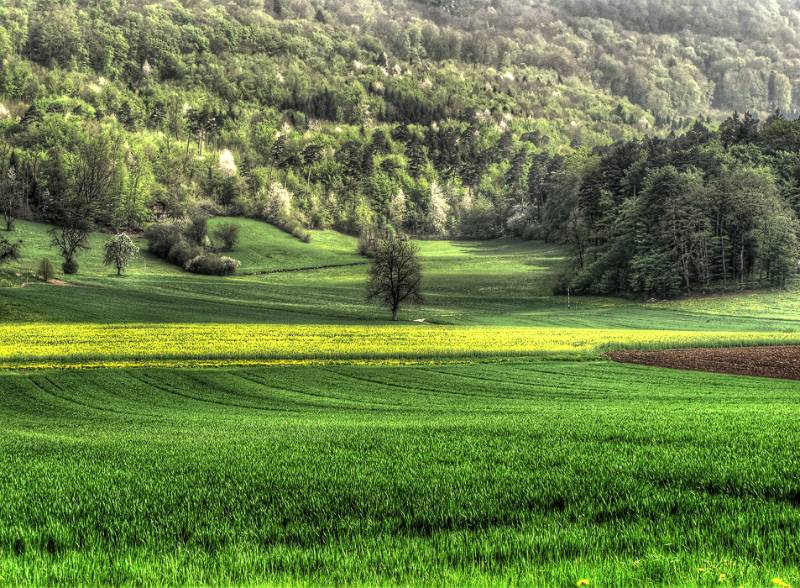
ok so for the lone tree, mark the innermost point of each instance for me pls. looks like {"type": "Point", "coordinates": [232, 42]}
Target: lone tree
{"type": "Point", "coordinates": [119, 251]}
{"type": "Point", "coordinates": [395, 275]}
{"type": "Point", "coordinates": [70, 237]}
{"type": "Point", "coordinates": [93, 170]}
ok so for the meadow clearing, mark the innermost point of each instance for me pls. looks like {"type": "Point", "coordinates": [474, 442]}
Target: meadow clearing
{"type": "Point", "coordinates": [273, 428]}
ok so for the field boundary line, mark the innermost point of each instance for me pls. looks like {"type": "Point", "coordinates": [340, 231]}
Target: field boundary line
{"type": "Point", "coordinates": [302, 269]}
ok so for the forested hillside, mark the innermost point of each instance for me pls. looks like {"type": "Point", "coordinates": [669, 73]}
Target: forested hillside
{"type": "Point", "coordinates": [442, 118]}
{"type": "Point", "coordinates": [704, 210]}
{"type": "Point", "coordinates": [676, 58]}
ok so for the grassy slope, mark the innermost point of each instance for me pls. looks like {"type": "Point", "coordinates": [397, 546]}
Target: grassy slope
{"type": "Point", "coordinates": [264, 248]}
{"type": "Point", "coordinates": [499, 283]}
{"type": "Point", "coordinates": [155, 291]}
{"type": "Point", "coordinates": [537, 471]}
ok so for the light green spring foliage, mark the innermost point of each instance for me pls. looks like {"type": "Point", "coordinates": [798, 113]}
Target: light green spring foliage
{"type": "Point", "coordinates": [356, 112]}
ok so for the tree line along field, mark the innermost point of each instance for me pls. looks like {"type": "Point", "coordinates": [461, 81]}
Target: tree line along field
{"type": "Point", "coordinates": [391, 454]}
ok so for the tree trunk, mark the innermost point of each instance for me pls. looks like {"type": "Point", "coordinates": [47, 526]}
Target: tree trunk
{"type": "Point", "coordinates": [394, 313]}
{"type": "Point", "coordinates": [685, 265]}
{"type": "Point", "coordinates": [724, 265]}
{"type": "Point", "coordinates": [741, 263]}
{"type": "Point", "coordinates": [186, 154]}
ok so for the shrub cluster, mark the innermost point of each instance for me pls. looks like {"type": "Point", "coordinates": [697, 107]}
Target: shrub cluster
{"type": "Point", "coordinates": [228, 236]}
{"type": "Point", "coordinates": [70, 267]}
{"type": "Point", "coordinates": [161, 238]}
{"type": "Point", "coordinates": [211, 264]}
{"type": "Point", "coordinates": [182, 252]}
{"type": "Point", "coordinates": [183, 248]}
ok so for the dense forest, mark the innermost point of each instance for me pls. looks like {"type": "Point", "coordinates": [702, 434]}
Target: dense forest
{"type": "Point", "coordinates": [699, 211]}
{"type": "Point", "coordinates": [567, 120]}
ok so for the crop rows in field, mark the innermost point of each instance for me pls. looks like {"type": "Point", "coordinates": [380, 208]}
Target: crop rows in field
{"type": "Point", "coordinates": [540, 473]}
{"type": "Point", "coordinates": [42, 345]}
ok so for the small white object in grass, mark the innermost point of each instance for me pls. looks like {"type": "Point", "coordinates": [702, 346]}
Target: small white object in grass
{"type": "Point", "coordinates": [419, 320]}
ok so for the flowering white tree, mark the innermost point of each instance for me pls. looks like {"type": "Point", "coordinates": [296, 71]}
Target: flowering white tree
{"type": "Point", "coordinates": [120, 250]}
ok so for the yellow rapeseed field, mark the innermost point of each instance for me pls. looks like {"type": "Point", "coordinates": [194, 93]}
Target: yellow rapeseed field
{"type": "Point", "coordinates": [47, 345]}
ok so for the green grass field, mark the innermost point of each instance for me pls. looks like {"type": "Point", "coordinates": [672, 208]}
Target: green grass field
{"type": "Point", "coordinates": [490, 445]}
{"type": "Point", "coordinates": [537, 473]}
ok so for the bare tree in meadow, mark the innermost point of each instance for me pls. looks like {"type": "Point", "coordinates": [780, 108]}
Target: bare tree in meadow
{"type": "Point", "coordinates": [396, 274]}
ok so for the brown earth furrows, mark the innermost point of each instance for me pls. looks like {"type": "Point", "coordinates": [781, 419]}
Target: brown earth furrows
{"type": "Point", "coordinates": [771, 362]}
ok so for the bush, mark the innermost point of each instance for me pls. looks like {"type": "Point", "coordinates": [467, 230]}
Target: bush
{"type": "Point", "coordinates": [161, 239]}
{"type": "Point", "coordinates": [197, 229]}
{"type": "Point", "coordinates": [230, 265]}
{"type": "Point", "coordinates": [228, 234]}
{"type": "Point", "coordinates": [70, 267]}
{"type": "Point", "coordinates": [532, 232]}
{"type": "Point", "coordinates": [168, 242]}
{"type": "Point", "coordinates": [46, 269]}
{"type": "Point", "coordinates": [290, 225]}
{"type": "Point", "coordinates": [299, 232]}
{"type": "Point", "coordinates": [211, 264]}
{"type": "Point", "coordinates": [9, 251]}
{"type": "Point", "coordinates": [183, 251]}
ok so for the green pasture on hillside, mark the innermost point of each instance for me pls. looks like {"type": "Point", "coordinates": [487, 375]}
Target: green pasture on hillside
{"type": "Point", "coordinates": [495, 283]}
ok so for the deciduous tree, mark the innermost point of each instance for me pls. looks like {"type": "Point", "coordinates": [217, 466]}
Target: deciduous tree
{"type": "Point", "coordinates": [70, 237]}
{"type": "Point", "coordinates": [396, 274]}
{"type": "Point", "coordinates": [120, 250]}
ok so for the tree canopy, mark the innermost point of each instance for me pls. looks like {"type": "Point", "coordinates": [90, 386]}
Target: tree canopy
{"type": "Point", "coordinates": [469, 118]}
{"type": "Point", "coordinates": [695, 212]}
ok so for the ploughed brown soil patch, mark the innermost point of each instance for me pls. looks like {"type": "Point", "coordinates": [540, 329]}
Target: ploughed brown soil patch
{"type": "Point", "coordinates": [771, 362]}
